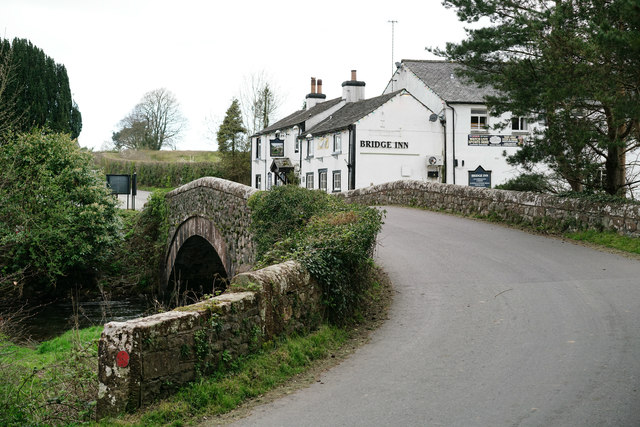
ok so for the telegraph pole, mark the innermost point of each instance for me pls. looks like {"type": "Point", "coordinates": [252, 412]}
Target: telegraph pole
{"type": "Point", "coordinates": [393, 24]}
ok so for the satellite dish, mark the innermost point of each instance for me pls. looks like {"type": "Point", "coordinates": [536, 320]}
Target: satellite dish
{"type": "Point", "coordinates": [433, 117]}
{"type": "Point", "coordinates": [433, 160]}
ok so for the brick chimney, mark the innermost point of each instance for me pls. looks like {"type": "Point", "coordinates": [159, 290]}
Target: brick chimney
{"type": "Point", "coordinates": [316, 96]}
{"type": "Point", "coordinates": [353, 90]}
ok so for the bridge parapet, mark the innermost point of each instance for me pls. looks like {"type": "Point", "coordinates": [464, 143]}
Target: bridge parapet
{"type": "Point", "coordinates": [216, 210]}
{"type": "Point", "coordinates": [542, 210]}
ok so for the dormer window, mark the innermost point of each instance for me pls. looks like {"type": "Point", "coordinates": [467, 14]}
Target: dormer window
{"type": "Point", "coordinates": [337, 143]}
{"type": "Point", "coordinates": [479, 120]}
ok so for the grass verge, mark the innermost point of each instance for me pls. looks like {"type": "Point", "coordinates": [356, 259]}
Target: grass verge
{"type": "Point", "coordinates": [607, 239]}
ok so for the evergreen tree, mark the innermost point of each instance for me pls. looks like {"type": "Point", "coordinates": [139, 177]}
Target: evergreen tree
{"type": "Point", "coordinates": [232, 144]}
{"type": "Point", "coordinates": [231, 135]}
{"type": "Point", "coordinates": [576, 65]}
{"type": "Point", "coordinates": [41, 91]}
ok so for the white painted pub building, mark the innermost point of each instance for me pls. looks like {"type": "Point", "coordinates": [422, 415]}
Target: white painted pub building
{"type": "Point", "coordinates": [427, 125]}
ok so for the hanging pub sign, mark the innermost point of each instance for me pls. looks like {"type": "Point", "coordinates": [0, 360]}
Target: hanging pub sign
{"type": "Point", "coordinates": [119, 184]}
{"type": "Point", "coordinates": [276, 147]}
{"type": "Point", "coordinates": [496, 140]}
{"type": "Point", "coordinates": [480, 178]}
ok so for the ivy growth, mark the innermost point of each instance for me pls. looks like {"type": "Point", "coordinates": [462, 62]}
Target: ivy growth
{"type": "Point", "coordinates": [332, 239]}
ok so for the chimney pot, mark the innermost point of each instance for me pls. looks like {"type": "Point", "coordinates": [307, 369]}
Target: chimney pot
{"type": "Point", "coordinates": [320, 86]}
{"type": "Point", "coordinates": [313, 85]}
{"type": "Point", "coordinates": [353, 75]}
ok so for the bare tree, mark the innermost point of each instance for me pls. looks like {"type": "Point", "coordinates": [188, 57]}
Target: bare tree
{"type": "Point", "coordinates": [259, 100]}
{"type": "Point", "coordinates": [154, 123]}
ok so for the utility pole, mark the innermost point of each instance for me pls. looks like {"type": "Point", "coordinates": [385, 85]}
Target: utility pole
{"type": "Point", "coordinates": [393, 24]}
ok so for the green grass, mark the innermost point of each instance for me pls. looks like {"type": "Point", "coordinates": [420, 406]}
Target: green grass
{"type": "Point", "coordinates": [608, 239]}
{"type": "Point", "coordinates": [49, 352]}
{"type": "Point", "coordinates": [249, 377]}
{"type": "Point", "coordinates": [52, 383]}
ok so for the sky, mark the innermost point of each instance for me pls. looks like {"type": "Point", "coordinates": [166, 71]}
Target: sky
{"type": "Point", "coordinates": [204, 52]}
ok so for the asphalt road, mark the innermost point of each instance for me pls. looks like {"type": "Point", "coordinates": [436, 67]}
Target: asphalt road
{"type": "Point", "coordinates": [490, 327]}
{"type": "Point", "coordinates": [141, 199]}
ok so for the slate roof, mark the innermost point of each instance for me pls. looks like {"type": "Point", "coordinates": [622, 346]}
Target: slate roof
{"type": "Point", "coordinates": [437, 76]}
{"type": "Point", "coordinates": [350, 113]}
{"type": "Point", "coordinates": [300, 116]}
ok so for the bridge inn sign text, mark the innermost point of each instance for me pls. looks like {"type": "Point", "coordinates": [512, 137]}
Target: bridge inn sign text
{"type": "Point", "coordinates": [352, 142]}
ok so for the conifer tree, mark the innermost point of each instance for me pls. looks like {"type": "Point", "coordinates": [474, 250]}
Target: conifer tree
{"type": "Point", "coordinates": [40, 88]}
{"type": "Point", "coordinates": [233, 146]}
{"type": "Point", "coordinates": [231, 135]}
{"type": "Point", "coordinates": [573, 64]}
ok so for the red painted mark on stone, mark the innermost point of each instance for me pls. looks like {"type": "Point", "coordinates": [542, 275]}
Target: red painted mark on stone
{"type": "Point", "coordinates": [122, 358]}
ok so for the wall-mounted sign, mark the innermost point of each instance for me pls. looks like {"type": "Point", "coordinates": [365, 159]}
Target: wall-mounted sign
{"type": "Point", "coordinates": [496, 140]}
{"type": "Point", "coordinates": [276, 147]}
{"type": "Point", "coordinates": [480, 178]}
{"type": "Point", "coordinates": [404, 145]}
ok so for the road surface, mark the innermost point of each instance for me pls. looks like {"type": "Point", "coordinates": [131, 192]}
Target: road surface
{"type": "Point", "coordinates": [141, 199]}
{"type": "Point", "coordinates": [490, 327]}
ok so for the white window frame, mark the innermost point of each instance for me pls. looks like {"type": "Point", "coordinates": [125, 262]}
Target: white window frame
{"type": "Point", "coordinates": [309, 180]}
{"type": "Point", "coordinates": [322, 179]}
{"type": "Point", "coordinates": [309, 148]}
{"type": "Point", "coordinates": [480, 115]}
{"type": "Point", "coordinates": [521, 124]}
{"type": "Point", "coordinates": [258, 148]}
{"type": "Point", "coordinates": [337, 143]}
{"type": "Point", "coordinates": [338, 175]}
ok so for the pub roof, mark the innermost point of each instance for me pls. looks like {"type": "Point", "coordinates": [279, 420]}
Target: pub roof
{"type": "Point", "coordinates": [441, 77]}
{"type": "Point", "coordinates": [350, 113]}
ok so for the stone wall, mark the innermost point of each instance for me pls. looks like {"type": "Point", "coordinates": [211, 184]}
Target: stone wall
{"type": "Point", "coordinates": [144, 359]}
{"type": "Point", "coordinates": [215, 209]}
{"type": "Point", "coordinates": [553, 212]}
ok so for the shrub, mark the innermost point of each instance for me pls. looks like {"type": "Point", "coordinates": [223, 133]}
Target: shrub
{"type": "Point", "coordinates": [57, 217]}
{"type": "Point", "coordinates": [333, 240]}
{"type": "Point", "coordinates": [534, 182]}
{"type": "Point", "coordinates": [139, 257]}
{"type": "Point", "coordinates": [279, 213]}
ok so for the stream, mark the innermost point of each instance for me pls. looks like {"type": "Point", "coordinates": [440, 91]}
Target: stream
{"type": "Point", "coordinates": [51, 320]}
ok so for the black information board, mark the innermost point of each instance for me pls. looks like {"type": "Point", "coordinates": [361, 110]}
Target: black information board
{"type": "Point", "coordinates": [119, 184]}
{"type": "Point", "coordinates": [480, 178]}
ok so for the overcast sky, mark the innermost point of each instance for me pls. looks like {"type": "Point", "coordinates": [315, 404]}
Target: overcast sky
{"type": "Point", "coordinates": [117, 50]}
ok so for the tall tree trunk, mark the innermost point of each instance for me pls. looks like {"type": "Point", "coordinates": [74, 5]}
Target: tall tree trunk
{"type": "Point", "coordinates": [615, 168]}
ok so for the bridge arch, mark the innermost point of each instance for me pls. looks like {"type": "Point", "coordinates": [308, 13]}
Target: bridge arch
{"type": "Point", "coordinates": [195, 239]}
{"type": "Point", "coordinates": [210, 212]}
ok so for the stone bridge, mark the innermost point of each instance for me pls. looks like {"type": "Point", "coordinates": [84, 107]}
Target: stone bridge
{"type": "Point", "coordinates": [210, 242]}
{"type": "Point", "coordinates": [209, 239]}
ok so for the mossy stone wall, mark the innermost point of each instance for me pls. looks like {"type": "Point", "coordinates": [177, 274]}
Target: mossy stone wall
{"type": "Point", "coordinates": [167, 350]}
{"type": "Point", "coordinates": [541, 210]}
